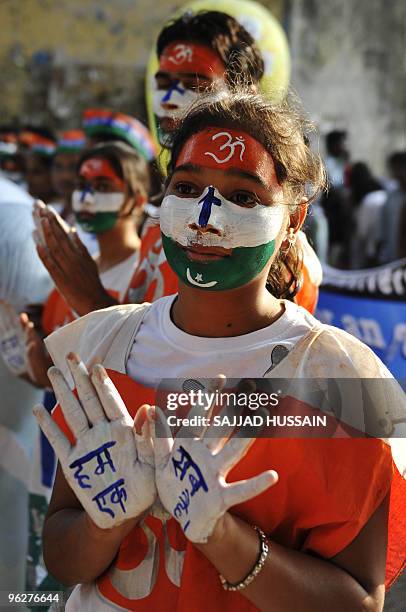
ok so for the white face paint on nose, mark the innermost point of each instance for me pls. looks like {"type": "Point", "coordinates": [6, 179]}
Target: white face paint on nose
{"type": "Point", "coordinates": [181, 219]}
{"type": "Point", "coordinates": [176, 96]}
{"type": "Point", "coordinates": [85, 195]}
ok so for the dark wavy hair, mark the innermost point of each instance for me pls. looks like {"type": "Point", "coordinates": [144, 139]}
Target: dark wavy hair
{"type": "Point", "coordinates": [284, 132]}
{"type": "Point", "coordinates": [222, 33]}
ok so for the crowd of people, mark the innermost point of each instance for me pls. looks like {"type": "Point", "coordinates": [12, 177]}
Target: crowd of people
{"type": "Point", "coordinates": [185, 259]}
{"type": "Point", "coordinates": [359, 222]}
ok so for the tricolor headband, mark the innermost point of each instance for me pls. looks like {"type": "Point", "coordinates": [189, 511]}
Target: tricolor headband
{"type": "Point", "coordinates": [37, 143]}
{"type": "Point", "coordinates": [104, 121]}
{"type": "Point", "coordinates": [224, 148]}
{"type": "Point", "coordinates": [191, 57]}
{"type": "Point", "coordinates": [72, 141]}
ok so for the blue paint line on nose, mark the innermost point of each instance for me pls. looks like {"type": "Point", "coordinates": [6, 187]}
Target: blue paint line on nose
{"type": "Point", "coordinates": [86, 189]}
{"type": "Point", "coordinates": [208, 201]}
{"type": "Point", "coordinates": [174, 87]}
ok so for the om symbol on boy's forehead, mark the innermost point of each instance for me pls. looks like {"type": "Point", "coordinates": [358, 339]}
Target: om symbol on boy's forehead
{"type": "Point", "coordinates": [228, 144]}
{"type": "Point", "coordinates": [182, 53]}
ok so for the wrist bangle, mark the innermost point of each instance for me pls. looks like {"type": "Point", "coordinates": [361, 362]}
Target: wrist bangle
{"type": "Point", "coordinates": [263, 553]}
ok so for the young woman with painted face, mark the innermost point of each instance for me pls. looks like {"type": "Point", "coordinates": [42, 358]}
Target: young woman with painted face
{"type": "Point", "coordinates": [111, 190]}
{"type": "Point", "coordinates": [234, 203]}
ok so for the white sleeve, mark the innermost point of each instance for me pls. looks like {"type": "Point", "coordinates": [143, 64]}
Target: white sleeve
{"type": "Point", "coordinates": [91, 336]}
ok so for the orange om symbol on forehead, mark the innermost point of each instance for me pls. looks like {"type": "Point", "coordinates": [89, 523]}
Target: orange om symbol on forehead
{"type": "Point", "coordinates": [228, 144]}
{"type": "Point", "coordinates": [183, 53]}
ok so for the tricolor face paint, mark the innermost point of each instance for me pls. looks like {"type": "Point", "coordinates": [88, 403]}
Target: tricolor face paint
{"type": "Point", "coordinates": [249, 233]}
{"type": "Point", "coordinates": [97, 211]}
{"type": "Point", "coordinates": [172, 101]}
{"type": "Point", "coordinates": [183, 66]}
{"type": "Point", "coordinates": [244, 237]}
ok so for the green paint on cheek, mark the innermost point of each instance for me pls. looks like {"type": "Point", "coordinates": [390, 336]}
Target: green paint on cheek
{"type": "Point", "coordinates": [241, 267]}
{"type": "Point", "coordinates": [98, 223]}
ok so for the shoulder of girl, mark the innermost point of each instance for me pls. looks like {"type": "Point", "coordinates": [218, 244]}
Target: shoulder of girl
{"type": "Point", "coordinates": [91, 336]}
{"type": "Point", "coordinates": [346, 354]}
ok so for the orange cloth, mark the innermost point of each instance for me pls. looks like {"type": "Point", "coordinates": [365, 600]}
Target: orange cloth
{"type": "Point", "coordinates": [57, 313]}
{"type": "Point", "coordinates": [327, 491]}
{"type": "Point", "coordinates": [154, 278]}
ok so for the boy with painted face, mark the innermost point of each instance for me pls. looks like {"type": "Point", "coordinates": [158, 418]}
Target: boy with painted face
{"type": "Point", "coordinates": [69, 148]}
{"type": "Point", "coordinates": [173, 527]}
{"type": "Point", "coordinates": [195, 52]}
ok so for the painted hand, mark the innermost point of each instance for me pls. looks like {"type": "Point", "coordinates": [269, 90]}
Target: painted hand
{"type": "Point", "coordinates": [13, 340]}
{"type": "Point", "coordinates": [68, 262]}
{"type": "Point", "coordinates": [111, 467]}
{"type": "Point", "coordinates": [191, 478]}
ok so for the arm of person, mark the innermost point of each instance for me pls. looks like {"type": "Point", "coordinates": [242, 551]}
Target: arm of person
{"type": "Point", "coordinates": [38, 359]}
{"type": "Point", "coordinates": [295, 581]}
{"type": "Point", "coordinates": [75, 548]}
{"type": "Point", "coordinates": [70, 265]}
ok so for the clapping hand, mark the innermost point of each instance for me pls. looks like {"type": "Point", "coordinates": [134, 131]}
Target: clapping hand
{"type": "Point", "coordinates": [68, 262]}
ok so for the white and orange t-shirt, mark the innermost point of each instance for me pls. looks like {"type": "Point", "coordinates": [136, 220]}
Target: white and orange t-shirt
{"type": "Point", "coordinates": [327, 489]}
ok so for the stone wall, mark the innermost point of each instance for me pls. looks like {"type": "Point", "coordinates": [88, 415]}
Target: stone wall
{"type": "Point", "coordinates": [59, 56]}
{"type": "Point", "coordinates": [349, 66]}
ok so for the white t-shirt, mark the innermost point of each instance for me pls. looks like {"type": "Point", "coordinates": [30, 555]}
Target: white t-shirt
{"type": "Point", "coordinates": [118, 277]}
{"type": "Point", "coordinates": [162, 350]}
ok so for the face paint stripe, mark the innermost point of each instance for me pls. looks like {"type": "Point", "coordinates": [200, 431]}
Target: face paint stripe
{"type": "Point", "coordinates": [224, 274]}
{"type": "Point", "coordinates": [237, 226]}
{"type": "Point", "coordinates": [99, 202]}
{"type": "Point", "coordinates": [208, 201]}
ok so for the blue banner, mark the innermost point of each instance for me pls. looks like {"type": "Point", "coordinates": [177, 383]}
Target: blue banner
{"type": "Point", "coordinates": [371, 305]}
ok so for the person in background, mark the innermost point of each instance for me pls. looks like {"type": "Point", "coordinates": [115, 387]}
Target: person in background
{"type": "Point", "coordinates": [196, 52]}
{"type": "Point", "coordinates": [392, 218]}
{"type": "Point", "coordinates": [367, 199]}
{"type": "Point", "coordinates": [111, 190]}
{"type": "Point", "coordinates": [335, 200]}
{"type": "Point", "coordinates": [11, 160]}
{"type": "Point", "coordinates": [38, 146]}
{"type": "Point", "coordinates": [24, 283]}
{"type": "Point", "coordinates": [106, 125]}
{"type": "Point", "coordinates": [69, 147]}
{"type": "Point", "coordinates": [391, 222]}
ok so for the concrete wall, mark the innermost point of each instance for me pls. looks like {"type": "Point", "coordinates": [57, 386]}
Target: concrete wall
{"type": "Point", "coordinates": [349, 62]}
{"type": "Point", "coordinates": [59, 56]}
{"type": "Point", "coordinates": [349, 66]}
